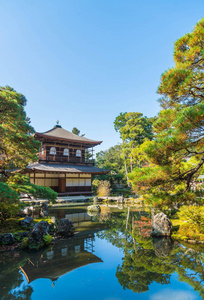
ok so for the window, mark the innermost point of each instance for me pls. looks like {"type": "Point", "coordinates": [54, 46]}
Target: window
{"type": "Point", "coordinates": [78, 153]}
{"type": "Point", "coordinates": [52, 150]}
{"type": "Point", "coordinates": [42, 151]}
{"type": "Point", "coordinates": [66, 152]}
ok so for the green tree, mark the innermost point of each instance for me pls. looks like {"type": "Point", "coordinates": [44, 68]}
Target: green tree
{"type": "Point", "coordinates": [112, 160]}
{"type": "Point", "coordinates": [134, 129]}
{"type": "Point", "coordinates": [75, 131]}
{"type": "Point", "coordinates": [176, 155]}
{"type": "Point", "coordinates": [17, 145]}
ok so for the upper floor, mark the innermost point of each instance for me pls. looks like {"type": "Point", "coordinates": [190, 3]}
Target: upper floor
{"type": "Point", "coordinates": [65, 154]}
{"type": "Point", "coordinates": [60, 145]}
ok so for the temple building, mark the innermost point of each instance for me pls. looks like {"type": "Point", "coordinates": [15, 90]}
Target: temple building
{"type": "Point", "coordinates": [65, 163]}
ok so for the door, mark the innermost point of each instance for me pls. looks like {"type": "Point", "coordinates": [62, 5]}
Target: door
{"type": "Point", "coordinates": [62, 185]}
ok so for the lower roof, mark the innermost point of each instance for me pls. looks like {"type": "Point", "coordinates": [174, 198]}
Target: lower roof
{"type": "Point", "coordinates": [65, 168]}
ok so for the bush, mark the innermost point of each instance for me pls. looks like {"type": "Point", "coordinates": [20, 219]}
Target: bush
{"type": "Point", "coordinates": [9, 202]}
{"type": "Point", "coordinates": [192, 215]}
{"type": "Point", "coordinates": [103, 189]}
{"type": "Point", "coordinates": [191, 223]}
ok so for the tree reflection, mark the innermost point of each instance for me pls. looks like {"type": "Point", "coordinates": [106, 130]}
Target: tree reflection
{"type": "Point", "coordinates": [148, 260]}
{"type": "Point", "coordinates": [12, 284]}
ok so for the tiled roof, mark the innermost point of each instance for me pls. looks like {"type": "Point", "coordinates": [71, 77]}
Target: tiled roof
{"type": "Point", "coordinates": [60, 133]}
{"type": "Point", "coordinates": [65, 168]}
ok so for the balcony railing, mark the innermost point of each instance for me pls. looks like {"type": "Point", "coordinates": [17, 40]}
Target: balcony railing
{"type": "Point", "coordinates": [65, 159]}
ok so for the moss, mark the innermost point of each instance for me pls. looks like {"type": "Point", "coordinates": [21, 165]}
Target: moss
{"type": "Point", "coordinates": [47, 239]}
{"type": "Point", "coordinates": [25, 243]}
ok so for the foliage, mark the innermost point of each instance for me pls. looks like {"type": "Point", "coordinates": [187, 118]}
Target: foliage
{"type": "Point", "coordinates": [134, 130]}
{"type": "Point", "coordinates": [103, 189]}
{"type": "Point", "coordinates": [17, 146]}
{"type": "Point", "coordinates": [21, 184]}
{"type": "Point", "coordinates": [112, 160]}
{"type": "Point", "coordinates": [191, 220]}
{"type": "Point", "coordinates": [175, 155]}
{"type": "Point", "coordinates": [193, 215]}
{"type": "Point", "coordinates": [76, 131]}
{"type": "Point", "coordinates": [9, 202]}
{"type": "Point", "coordinates": [47, 238]}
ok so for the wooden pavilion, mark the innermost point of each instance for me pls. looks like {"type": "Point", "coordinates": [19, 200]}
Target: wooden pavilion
{"type": "Point", "coordinates": [65, 163]}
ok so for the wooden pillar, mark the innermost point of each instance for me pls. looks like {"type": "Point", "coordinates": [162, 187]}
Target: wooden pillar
{"type": "Point", "coordinates": [34, 176]}
{"type": "Point", "coordinates": [55, 150]}
{"type": "Point", "coordinates": [92, 155]}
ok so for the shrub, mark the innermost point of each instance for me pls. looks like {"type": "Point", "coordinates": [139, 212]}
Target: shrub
{"type": "Point", "coordinates": [191, 223]}
{"type": "Point", "coordinates": [192, 215]}
{"type": "Point", "coordinates": [9, 202]}
{"type": "Point", "coordinates": [103, 189]}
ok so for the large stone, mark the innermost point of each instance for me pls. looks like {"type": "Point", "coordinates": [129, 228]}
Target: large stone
{"type": "Point", "coordinates": [162, 246]}
{"type": "Point", "coordinates": [65, 227]}
{"type": "Point", "coordinates": [35, 239]}
{"type": "Point", "coordinates": [44, 212]}
{"type": "Point", "coordinates": [161, 226]}
{"type": "Point", "coordinates": [120, 199]}
{"type": "Point", "coordinates": [7, 239]}
{"type": "Point", "coordinates": [95, 208]}
{"type": "Point", "coordinates": [26, 223]}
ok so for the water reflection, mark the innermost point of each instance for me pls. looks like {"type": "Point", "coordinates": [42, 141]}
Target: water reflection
{"type": "Point", "coordinates": [144, 260]}
{"type": "Point", "coordinates": [65, 256]}
{"type": "Point", "coordinates": [148, 260]}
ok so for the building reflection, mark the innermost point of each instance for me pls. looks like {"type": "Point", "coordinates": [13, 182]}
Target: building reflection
{"type": "Point", "coordinates": [65, 256]}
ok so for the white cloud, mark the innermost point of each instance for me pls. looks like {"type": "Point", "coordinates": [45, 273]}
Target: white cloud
{"type": "Point", "coordinates": [167, 294]}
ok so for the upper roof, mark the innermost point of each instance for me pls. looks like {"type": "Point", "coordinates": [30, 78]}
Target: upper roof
{"type": "Point", "coordinates": [59, 133]}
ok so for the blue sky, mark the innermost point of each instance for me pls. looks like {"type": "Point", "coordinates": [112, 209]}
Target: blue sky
{"type": "Point", "coordinates": [82, 62]}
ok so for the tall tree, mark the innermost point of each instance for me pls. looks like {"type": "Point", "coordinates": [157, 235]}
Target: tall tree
{"type": "Point", "coordinates": [134, 129]}
{"type": "Point", "coordinates": [176, 154]}
{"type": "Point", "coordinates": [17, 145]}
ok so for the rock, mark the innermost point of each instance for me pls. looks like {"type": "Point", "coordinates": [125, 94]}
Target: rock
{"type": "Point", "coordinates": [162, 226]}
{"type": "Point", "coordinates": [92, 213]}
{"type": "Point", "coordinates": [162, 246]}
{"type": "Point", "coordinates": [65, 227]}
{"type": "Point", "coordinates": [44, 212]}
{"type": "Point", "coordinates": [95, 208]}
{"type": "Point", "coordinates": [35, 239]}
{"type": "Point", "coordinates": [26, 223]}
{"type": "Point", "coordinates": [95, 199]}
{"type": "Point", "coordinates": [27, 211]}
{"type": "Point", "coordinates": [18, 236]}
{"type": "Point", "coordinates": [120, 199]}
{"type": "Point", "coordinates": [7, 239]}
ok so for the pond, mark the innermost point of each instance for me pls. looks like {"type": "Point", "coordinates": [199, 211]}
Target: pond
{"type": "Point", "coordinates": [111, 257]}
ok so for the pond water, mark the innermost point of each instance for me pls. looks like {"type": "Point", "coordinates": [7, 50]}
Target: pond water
{"type": "Point", "coordinates": [111, 257]}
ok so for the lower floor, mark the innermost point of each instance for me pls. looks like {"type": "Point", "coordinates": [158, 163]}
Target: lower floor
{"type": "Point", "coordinates": [63, 183]}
